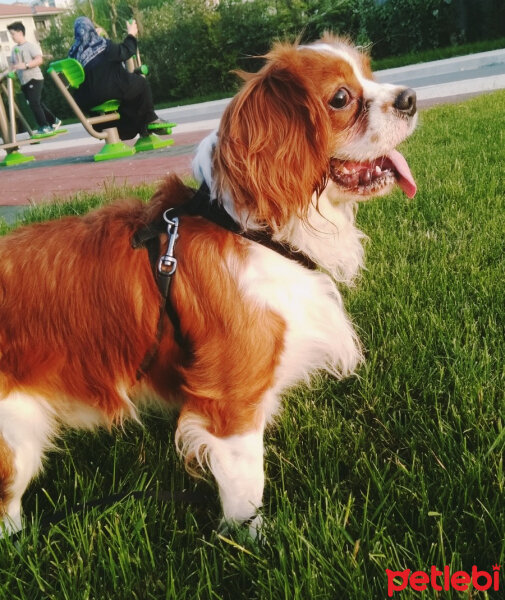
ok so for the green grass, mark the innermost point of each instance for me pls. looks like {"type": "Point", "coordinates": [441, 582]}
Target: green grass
{"type": "Point", "coordinates": [401, 467]}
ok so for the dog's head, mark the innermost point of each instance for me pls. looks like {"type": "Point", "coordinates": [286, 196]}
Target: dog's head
{"type": "Point", "coordinates": [312, 116]}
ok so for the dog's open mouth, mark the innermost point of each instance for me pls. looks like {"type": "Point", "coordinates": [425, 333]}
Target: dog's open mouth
{"type": "Point", "coordinates": [371, 178]}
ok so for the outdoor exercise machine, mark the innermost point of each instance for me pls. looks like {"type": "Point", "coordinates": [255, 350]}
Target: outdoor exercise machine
{"type": "Point", "coordinates": [69, 73]}
{"type": "Point", "coordinates": [10, 143]}
{"type": "Point", "coordinates": [8, 131]}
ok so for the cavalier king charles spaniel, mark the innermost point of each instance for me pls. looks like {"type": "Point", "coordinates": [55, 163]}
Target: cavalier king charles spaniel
{"type": "Point", "coordinates": [252, 308]}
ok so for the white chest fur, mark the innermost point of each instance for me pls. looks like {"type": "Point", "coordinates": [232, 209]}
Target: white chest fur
{"type": "Point", "coordinates": [319, 334]}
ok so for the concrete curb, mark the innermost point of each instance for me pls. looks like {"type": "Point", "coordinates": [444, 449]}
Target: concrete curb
{"type": "Point", "coordinates": [465, 86]}
{"type": "Point", "coordinates": [446, 65]}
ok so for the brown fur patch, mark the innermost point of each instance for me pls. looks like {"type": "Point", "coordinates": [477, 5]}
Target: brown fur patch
{"type": "Point", "coordinates": [81, 312]}
{"type": "Point", "coordinates": [234, 345]}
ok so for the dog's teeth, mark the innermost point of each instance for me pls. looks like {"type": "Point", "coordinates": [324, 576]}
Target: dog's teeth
{"type": "Point", "coordinates": [378, 170]}
{"type": "Point", "coordinates": [345, 171]}
{"type": "Point", "coordinates": [353, 171]}
{"type": "Point", "coordinates": [366, 177]}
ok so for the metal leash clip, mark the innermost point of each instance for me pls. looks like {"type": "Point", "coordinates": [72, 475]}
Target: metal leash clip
{"type": "Point", "coordinates": [167, 263]}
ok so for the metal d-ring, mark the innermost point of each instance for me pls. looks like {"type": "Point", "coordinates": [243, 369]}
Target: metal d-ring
{"type": "Point", "coordinates": [167, 263]}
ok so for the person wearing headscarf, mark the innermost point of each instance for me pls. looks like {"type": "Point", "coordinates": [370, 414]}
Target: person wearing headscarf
{"type": "Point", "coordinates": [107, 79]}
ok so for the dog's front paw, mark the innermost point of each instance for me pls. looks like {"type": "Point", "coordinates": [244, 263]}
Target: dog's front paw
{"type": "Point", "coordinates": [252, 527]}
{"type": "Point", "coordinates": [10, 525]}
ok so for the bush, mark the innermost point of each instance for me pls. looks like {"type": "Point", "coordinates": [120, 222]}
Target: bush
{"type": "Point", "coordinates": [404, 26]}
{"type": "Point", "coordinates": [192, 46]}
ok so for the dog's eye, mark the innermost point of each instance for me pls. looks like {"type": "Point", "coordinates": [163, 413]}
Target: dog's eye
{"type": "Point", "coordinates": [340, 99]}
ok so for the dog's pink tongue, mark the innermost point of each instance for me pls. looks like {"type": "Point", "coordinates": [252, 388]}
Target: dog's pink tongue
{"type": "Point", "coordinates": [405, 179]}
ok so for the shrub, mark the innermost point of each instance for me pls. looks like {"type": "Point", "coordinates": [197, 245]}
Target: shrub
{"type": "Point", "coordinates": [192, 46]}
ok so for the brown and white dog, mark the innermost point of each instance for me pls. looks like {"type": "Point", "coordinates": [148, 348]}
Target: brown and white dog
{"type": "Point", "coordinates": [306, 138]}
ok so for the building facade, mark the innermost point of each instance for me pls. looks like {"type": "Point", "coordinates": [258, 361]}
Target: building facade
{"type": "Point", "coordinates": [36, 19]}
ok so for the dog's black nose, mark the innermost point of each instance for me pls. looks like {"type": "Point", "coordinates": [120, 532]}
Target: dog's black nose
{"type": "Point", "coordinates": [406, 102]}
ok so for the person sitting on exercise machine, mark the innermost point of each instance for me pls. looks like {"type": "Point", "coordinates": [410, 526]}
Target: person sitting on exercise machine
{"type": "Point", "coordinates": [106, 78]}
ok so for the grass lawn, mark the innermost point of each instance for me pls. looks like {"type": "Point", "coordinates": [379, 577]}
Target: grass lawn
{"type": "Point", "coordinates": [399, 468]}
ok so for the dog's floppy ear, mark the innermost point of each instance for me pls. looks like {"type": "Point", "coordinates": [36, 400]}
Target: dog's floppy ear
{"type": "Point", "coordinates": [272, 152]}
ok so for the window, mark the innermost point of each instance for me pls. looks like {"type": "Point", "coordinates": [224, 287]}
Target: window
{"type": "Point", "coordinates": [4, 36]}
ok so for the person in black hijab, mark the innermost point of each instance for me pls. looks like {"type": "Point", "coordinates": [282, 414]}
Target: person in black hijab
{"type": "Point", "coordinates": [107, 79]}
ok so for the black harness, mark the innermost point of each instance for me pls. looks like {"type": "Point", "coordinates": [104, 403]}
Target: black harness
{"type": "Point", "coordinates": [164, 265]}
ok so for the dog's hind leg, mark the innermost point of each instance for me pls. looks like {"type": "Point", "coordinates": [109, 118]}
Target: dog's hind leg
{"type": "Point", "coordinates": [27, 425]}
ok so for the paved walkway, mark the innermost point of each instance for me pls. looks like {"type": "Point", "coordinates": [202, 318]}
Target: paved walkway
{"type": "Point", "coordinates": [61, 172]}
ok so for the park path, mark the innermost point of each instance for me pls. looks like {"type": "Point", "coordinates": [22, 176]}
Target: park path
{"type": "Point", "coordinates": [61, 173]}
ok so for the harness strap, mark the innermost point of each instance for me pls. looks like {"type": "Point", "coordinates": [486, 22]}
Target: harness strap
{"type": "Point", "coordinates": [163, 268]}
{"type": "Point", "coordinates": [200, 204]}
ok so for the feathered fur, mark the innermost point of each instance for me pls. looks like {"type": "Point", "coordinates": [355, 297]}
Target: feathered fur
{"type": "Point", "coordinates": [79, 306]}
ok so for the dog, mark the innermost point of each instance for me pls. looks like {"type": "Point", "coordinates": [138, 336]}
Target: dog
{"type": "Point", "coordinates": [252, 306]}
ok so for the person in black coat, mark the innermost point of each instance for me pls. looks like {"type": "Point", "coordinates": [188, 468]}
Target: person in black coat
{"type": "Point", "coordinates": [107, 79]}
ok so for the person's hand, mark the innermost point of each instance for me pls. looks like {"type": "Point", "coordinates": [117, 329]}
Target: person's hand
{"type": "Point", "coordinates": [131, 28]}
{"type": "Point", "coordinates": [20, 66]}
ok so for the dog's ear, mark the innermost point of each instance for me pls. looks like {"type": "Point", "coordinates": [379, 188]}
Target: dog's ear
{"type": "Point", "coordinates": [273, 144]}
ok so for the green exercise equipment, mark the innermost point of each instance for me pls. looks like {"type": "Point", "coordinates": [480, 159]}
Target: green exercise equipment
{"type": "Point", "coordinates": [68, 73]}
{"type": "Point", "coordinates": [151, 142]}
{"type": "Point", "coordinates": [14, 158]}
